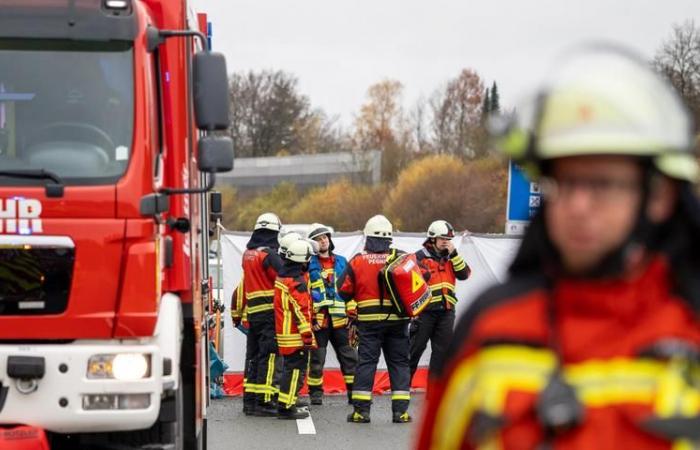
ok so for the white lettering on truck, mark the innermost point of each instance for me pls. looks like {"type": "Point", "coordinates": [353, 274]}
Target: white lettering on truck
{"type": "Point", "coordinates": [20, 216]}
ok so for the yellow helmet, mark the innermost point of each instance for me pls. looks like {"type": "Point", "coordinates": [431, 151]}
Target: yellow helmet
{"type": "Point", "coordinates": [604, 100]}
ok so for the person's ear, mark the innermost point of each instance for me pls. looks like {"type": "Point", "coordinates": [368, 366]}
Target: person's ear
{"type": "Point", "coordinates": [663, 197]}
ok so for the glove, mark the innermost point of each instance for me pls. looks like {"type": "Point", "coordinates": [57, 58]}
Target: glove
{"type": "Point", "coordinates": [308, 340]}
{"type": "Point", "coordinates": [353, 336]}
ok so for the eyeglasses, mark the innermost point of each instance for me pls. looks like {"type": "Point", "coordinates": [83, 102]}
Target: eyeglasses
{"type": "Point", "coordinates": [599, 188]}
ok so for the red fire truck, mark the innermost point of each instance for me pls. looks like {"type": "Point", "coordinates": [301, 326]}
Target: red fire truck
{"type": "Point", "coordinates": [107, 109]}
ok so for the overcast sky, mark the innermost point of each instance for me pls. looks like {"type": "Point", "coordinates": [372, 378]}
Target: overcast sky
{"type": "Point", "coordinates": [338, 49]}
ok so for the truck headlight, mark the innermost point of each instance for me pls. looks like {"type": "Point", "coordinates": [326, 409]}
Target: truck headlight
{"type": "Point", "coordinates": [122, 366]}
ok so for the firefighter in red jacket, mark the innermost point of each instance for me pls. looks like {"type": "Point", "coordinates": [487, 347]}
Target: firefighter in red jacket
{"type": "Point", "coordinates": [439, 257]}
{"type": "Point", "coordinates": [260, 266]}
{"type": "Point", "coordinates": [293, 319]}
{"type": "Point", "coordinates": [594, 341]}
{"type": "Point", "coordinates": [379, 327]}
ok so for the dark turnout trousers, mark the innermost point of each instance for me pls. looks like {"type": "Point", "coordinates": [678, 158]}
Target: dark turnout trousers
{"type": "Point", "coordinates": [347, 356]}
{"type": "Point", "coordinates": [391, 337]}
{"type": "Point", "coordinates": [292, 380]}
{"type": "Point", "coordinates": [435, 326]}
{"type": "Point", "coordinates": [261, 355]}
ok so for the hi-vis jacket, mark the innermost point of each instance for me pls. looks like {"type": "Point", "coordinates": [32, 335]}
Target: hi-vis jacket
{"type": "Point", "coordinates": [444, 271]}
{"type": "Point", "coordinates": [359, 287]}
{"type": "Point", "coordinates": [324, 289]}
{"type": "Point", "coordinates": [260, 266]}
{"type": "Point", "coordinates": [628, 348]}
{"type": "Point", "coordinates": [293, 312]}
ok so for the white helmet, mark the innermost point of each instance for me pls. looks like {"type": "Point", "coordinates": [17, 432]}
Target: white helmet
{"type": "Point", "coordinates": [319, 229]}
{"type": "Point", "coordinates": [604, 100]}
{"type": "Point", "coordinates": [268, 221]}
{"type": "Point", "coordinates": [441, 229]}
{"type": "Point", "coordinates": [378, 226]}
{"type": "Point", "coordinates": [299, 251]}
{"type": "Point", "coordinates": [286, 238]}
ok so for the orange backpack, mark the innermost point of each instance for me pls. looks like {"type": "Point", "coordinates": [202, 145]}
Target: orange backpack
{"type": "Point", "coordinates": [403, 280]}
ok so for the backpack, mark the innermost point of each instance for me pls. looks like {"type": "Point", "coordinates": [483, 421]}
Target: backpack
{"type": "Point", "coordinates": [403, 280]}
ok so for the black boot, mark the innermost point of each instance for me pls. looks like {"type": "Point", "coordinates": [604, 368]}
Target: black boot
{"type": "Point", "coordinates": [249, 409]}
{"type": "Point", "coordinates": [359, 415]}
{"type": "Point", "coordinates": [291, 413]}
{"type": "Point", "coordinates": [303, 402]}
{"type": "Point", "coordinates": [349, 392]}
{"type": "Point", "coordinates": [317, 397]}
{"type": "Point", "coordinates": [401, 417]}
{"type": "Point", "coordinates": [265, 410]}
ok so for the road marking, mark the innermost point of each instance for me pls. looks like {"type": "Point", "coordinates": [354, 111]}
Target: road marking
{"type": "Point", "coordinates": [306, 426]}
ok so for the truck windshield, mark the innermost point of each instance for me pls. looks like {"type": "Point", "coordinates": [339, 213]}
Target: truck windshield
{"type": "Point", "coordinates": [66, 107]}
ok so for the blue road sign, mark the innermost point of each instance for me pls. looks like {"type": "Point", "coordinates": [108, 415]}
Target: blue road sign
{"type": "Point", "coordinates": [524, 199]}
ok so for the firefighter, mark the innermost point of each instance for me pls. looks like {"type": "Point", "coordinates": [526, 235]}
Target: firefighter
{"type": "Point", "coordinates": [284, 239]}
{"type": "Point", "coordinates": [439, 257]}
{"type": "Point", "coordinates": [260, 266]}
{"type": "Point", "coordinates": [379, 327]}
{"type": "Point", "coordinates": [293, 316]}
{"type": "Point", "coordinates": [330, 320]}
{"type": "Point", "coordinates": [594, 340]}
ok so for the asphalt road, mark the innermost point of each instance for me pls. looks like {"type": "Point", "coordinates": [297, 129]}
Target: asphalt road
{"type": "Point", "coordinates": [228, 428]}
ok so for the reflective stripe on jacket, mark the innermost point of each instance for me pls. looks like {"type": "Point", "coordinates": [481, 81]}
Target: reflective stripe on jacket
{"type": "Point", "coordinates": [260, 268]}
{"type": "Point", "coordinates": [359, 287]}
{"type": "Point", "coordinates": [293, 309]}
{"type": "Point", "coordinates": [324, 290]}
{"type": "Point", "coordinates": [444, 272]}
{"type": "Point", "coordinates": [626, 348]}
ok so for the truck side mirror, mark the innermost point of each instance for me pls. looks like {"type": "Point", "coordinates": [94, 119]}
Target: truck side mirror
{"type": "Point", "coordinates": [215, 154]}
{"type": "Point", "coordinates": [215, 206]}
{"type": "Point", "coordinates": [211, 97]}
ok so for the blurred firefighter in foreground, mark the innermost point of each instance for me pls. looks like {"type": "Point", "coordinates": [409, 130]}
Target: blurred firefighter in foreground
{"type": "Point", "coordinates": [435, 324]}
{"type": "Point", "coordinates": [379, 327]}
{"type": "Point", "coordinates": [293, 314]}
{"type": "Point", "coordinates": [330, 320]}
{"type": "Point", "coordinates": [594, 341]}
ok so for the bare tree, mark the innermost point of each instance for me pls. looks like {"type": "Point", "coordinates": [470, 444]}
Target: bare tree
{"type": "Point", "coordinates": [418, 119]}
{"type": "Point", "coordinates": [382, 125]}
{"type": "Point", "coordinates": [457, 111]}
{"type": "Point", "coordinates": [679, 59]}
{"type": "Point", "coordinates": [271, 117]}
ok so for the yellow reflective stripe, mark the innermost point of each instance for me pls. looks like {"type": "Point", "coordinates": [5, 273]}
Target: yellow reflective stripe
{"type": "Point", "coordinates": [368, 303]}
{"type": "Point", "coordinates": [482, 382]}
{"type": "Point", "coordinates": [339, 322]}
{"type": "Point", "coordinates": [462, 396]}
{"type": "Point", "coordinates": [350, 305]}
{"type": "Point", "coordinates": [458, 263]}
{"type": "Point", "coordinates": [361, 395]}
{"type": "Point", "coordinates": [445, 284]}
{"type": "Point", "coordinates": [290, 398]}
{"type": "Point", "coordinates": [258, 294]}
{"type": "Point", "coordinates": [349, 379]}
{"type": "Point", "coordinates": [378, 317]}
{"type": "Point", "coordinates": [261, 308]}
{"type": "Point", "coordinates": [322, 304]}
{"type": "Point", "coordinates": [614, 381]}
{"type": "Point", "coordinates": [269, 390]}
{"type": "Point", "coordinates": [311, 381]}
{"type": "Point", "coordinates": [400, 395]}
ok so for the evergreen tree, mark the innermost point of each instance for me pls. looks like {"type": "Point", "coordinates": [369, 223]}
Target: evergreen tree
{"type": "Point", "coordinates": [495, 99]}
{"type": "Point", "coordinates": [486, 106]}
